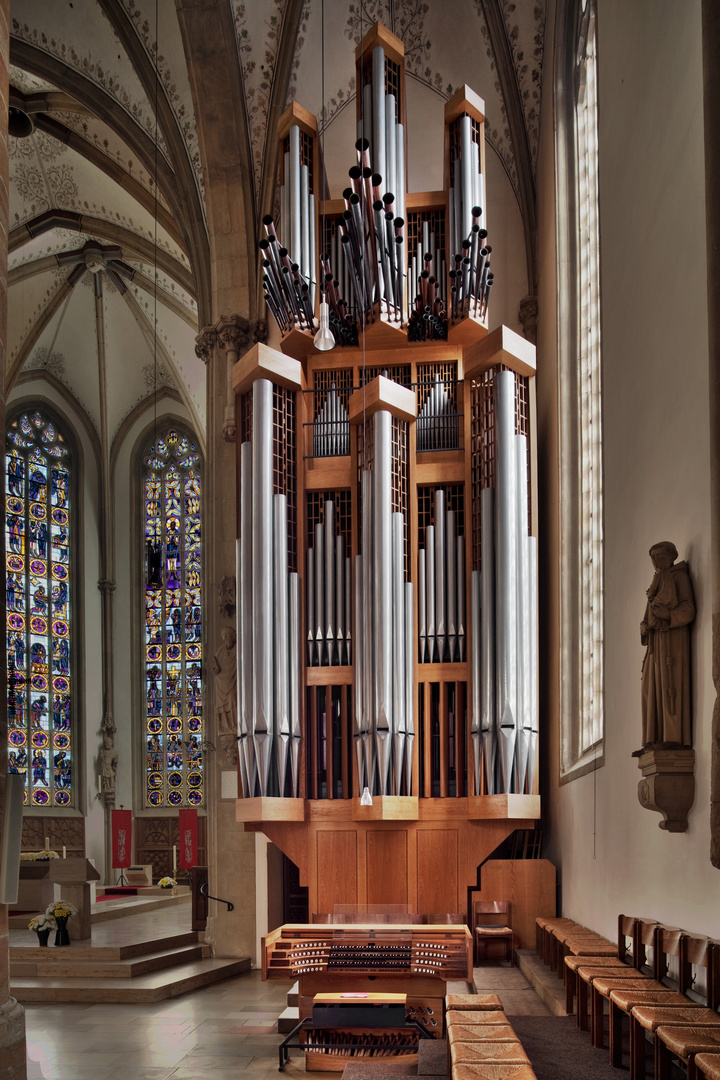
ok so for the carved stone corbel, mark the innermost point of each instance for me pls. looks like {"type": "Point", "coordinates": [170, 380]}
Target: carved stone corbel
{"type": "Point", "coordinates": [668, 784]}
{"type": "Point", "coordinates": [232, 337]}
{"type": "Point", "coordinates": [528, 315]}
{"type": "Point", "coordinates": [205, 344]}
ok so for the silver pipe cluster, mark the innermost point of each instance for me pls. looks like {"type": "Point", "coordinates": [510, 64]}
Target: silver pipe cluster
{"type": "Point", "coordinates": [269, 619]}
{"type": "Point", "coordinates": [427, 318]}
{"type": "Point", "coordinates": [471, 278]}
{"type": "Point", "coordinates": [384, 714]}
{"type": "Point", "coordinates": [331, 427]}
{"type": "Point", "coordinates": [441, 584]}
{"type": "Point", "coordinates": [289, 279]}
{"type": "Point", "coordinates": [385, 137]}
{"type": "Point", "coordinates": [437, 423]}
{"type": "Point", "coordinates": [328, 608]}
{"type": "Point", "coordinates": [504, 661]}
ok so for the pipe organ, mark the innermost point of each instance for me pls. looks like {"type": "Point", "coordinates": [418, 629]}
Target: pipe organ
{"type": "Point", "coordinates": [387, 563]}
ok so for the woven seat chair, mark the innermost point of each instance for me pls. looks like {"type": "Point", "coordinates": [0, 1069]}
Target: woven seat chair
{"type": "Point", "coordinates": [474, 1002]}
{"type": "Point", "coordinates": [500, 930]}
{"type": "Point", "coordinates": [683, 1043]}
{"type": "Point", "coordinates": [580, 975]}
{"type": "Point", "coordinates": [543, 929]}
{"type": "Point", "coordinates": [646, 1017]}
{"type": "Point", "coordinates": [707, 1066]}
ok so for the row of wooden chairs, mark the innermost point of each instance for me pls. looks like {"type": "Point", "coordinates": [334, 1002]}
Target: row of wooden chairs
{"type": "Point", "coordinates": [663, 979]}
{"type": "Point", "coordinates": [482, 1044]}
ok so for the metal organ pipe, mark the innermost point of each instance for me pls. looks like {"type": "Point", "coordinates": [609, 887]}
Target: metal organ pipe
{"type": "Point", "coordinates": [245, 637]}
{"type": "Point", "coordinates": [533, 665]}
{"type": "Point", "coordinates": [368, 628]}
{"type": "Point", "coordinates": [523, 602]}
{"type": "Point", "coordinates": [282, 638]}
{"type": "Point", "coordinates": [294, 682]}
{"type": "Point", "coordinates": [329, 546]}
{"type": "Point", "coordinates": [452, 582]}
{"type": "Point", "coordinates": [382, 586]}
{"type": "Point", "coordinates": [506, 571]}
{"type": "Point", "coordinates": [440, 593]}
{"type": "Point", "coordinates": [475, 670]}
{"type": "Point", "coordinates": [378, 110]}
{"type": "Point", "coordinates": [262, 580]}
{"type": "Point", "coordinates": [488, 718]}
{"type": "Point", "coordinates": [398, 661]}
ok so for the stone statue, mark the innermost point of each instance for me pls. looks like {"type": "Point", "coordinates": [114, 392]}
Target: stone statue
{"type": "Point", "coordinates": [224, 668]}
{"type": "Point", "coordinates": [665, 630]}
{"type": "Point", "coordinates": [108, 758]}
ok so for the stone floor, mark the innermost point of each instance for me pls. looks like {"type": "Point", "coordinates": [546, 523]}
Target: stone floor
{"type": "Point", "coordinates": [224, 1032]}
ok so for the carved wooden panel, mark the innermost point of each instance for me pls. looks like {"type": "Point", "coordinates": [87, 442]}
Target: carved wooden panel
{"type": "Point", "coordinates": [154, 840]}
{"type": "Point", "coordinates": [387, 877]}
{"type": "Point", "coordinates": [60, 831]}
{"type": "Point", "coordinates": [529, 885]}
{"type": "Point", "coordinates": [337, 869]}
{"type": "Point", "coordinates": [437, 870]}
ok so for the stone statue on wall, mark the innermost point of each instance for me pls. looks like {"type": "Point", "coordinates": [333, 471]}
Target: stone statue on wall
{"type": "Point", "coordinates": [665, 630]}
{"type": "Point", "coordinates": [108, 758]}
{"type": "Point", "coordinates": [224, 667]}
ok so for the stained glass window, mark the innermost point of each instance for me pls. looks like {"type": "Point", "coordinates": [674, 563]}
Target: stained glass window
{"type": "Point", "coordinates": [173, 622]}
{"type": "Point", "coordinates": [38, 587]}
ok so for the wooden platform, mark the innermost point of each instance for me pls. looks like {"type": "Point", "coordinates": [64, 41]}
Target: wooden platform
{"type": "Point", "coordinates": [140, 954]}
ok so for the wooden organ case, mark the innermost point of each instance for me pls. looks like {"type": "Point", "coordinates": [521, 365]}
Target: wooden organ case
{"type": "Point", "coordinates": [387, 613]}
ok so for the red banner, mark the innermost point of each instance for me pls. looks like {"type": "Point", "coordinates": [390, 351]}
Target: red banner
{"type": "Point", "coordinates": [188, 826]}
{"type": "Point", "coordinates": [122, 838]}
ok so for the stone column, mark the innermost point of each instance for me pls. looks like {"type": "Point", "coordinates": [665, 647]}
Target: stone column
{"type": "Point", "coordinates": [12, 1015]}
{"type": "Point", "coordinates": [231, 851]}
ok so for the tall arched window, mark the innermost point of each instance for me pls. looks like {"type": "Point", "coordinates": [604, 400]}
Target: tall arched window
{"type": "Point", "coordinates": [580, 387]}
{"type": "Point", "coordinates": [38, 538]}
{"type": "Point", "coordinates": [174, 733]}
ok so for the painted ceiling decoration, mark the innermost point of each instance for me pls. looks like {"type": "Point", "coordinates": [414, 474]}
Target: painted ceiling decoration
{"type": "Point", "coordinates": [84, 76]}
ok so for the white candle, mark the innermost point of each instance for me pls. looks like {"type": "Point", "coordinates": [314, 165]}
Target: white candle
{"type": "Point", "coordinates": [47, 843]}
{"type": "Point", "coordinates": [64, 852]}
{"type": "Point", "coordinates": [174, 860]}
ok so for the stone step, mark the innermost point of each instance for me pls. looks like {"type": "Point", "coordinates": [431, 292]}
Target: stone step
{"type": "Point", "coordinates": [293, 996]}
{"type": "Point", "coordinates": [67, 965]}
{"type": "Point", "coordinates": [84, 950]}
{"type": "Point", "coordinates": [544, 981]}
{"type": "Point", "coordinates": [155, 986]}
{"type": "Point", "coordinates": [288, 1019]}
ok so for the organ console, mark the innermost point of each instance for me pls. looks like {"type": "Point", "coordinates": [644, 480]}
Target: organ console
{"type": "Point", "coordinates": [350, 964]}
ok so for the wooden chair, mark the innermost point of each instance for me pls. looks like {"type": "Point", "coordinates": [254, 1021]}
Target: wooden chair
{"type": "Point", "coordinates": [498, 930]}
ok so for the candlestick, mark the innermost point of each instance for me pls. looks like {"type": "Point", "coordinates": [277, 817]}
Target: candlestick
{"type": "Point", "coordinates": [64, 852]}
{"type": "Point", "coordinates": [174, 859]}
{"type": "Point", "coordinates": [47, 843]}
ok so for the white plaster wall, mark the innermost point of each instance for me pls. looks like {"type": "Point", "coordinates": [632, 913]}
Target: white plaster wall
{"type": "Point", "coordinates": [87, 621]}
{"type": "Point", "coordinates": [611, 854]}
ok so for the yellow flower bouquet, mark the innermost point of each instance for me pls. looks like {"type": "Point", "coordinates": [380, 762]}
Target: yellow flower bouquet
{"type": "Point", "coordinates": [42, 922]}
{"type": "Point", "coordinates": [61, 909]}
{"type": "Point", "coordinates": [167, 883]}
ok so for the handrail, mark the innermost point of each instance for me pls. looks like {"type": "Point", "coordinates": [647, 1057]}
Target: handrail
{"type": "Point", "coordinates": [206, 894]}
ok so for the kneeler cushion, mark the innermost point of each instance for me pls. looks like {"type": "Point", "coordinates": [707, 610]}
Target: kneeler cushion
{"type": "Point", "coordinates": [471, 1033]}
{"type": "Point", "coordinates": [475, 1002]}
{"type": "Point", "coordinates": [493, 1071]}
{"type": "Point", "coordinates": [467, 1053]}
{"type": "Point", "coordinates": [464, 1016]}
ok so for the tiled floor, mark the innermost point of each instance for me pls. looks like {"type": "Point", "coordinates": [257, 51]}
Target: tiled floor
{"type": "Point", "coordinates": [224, 1032]}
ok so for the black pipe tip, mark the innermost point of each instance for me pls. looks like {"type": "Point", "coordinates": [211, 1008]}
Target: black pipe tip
{"type": "Point", "coordinates": [347, 193]}
{"type": "Point", "coordinates": [268, 219]}
{"type": "Point", "coordinates": [367, 173]}
{"type": "Point", "coordinates": [376, 179]}
{"type": "Point", "coordinates": [362, 144]}
{"type": "Point", "coordinates": [476, 211]}
{"type": "Point", "coordinates": [427, 257]}
{"type": "Point", "coordinates": [389, 216]}
{"type": "Point", "coordinates": [399, 222]}
{"type": "Point", "coordinates": [388, 197]}
{"type": "Point", "coordinates": [354, 199]}
{"type": "Point", "coordinates": [263, 244]}
{"type": "Point", "coordinates": [355, 172]}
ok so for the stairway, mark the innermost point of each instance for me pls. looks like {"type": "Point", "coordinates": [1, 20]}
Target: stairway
{"type": "Point", "coordinates": [138, 958]}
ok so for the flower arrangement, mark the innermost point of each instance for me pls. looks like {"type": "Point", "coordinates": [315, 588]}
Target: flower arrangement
{"type": "Point", "coordinates": [38, 856]}
{"type": "Point", "coordinates": [167, 883]}
{"type": "Point", "coordinates": [42, 922]}
{"type": "Point", "coordinates": [61, 909]}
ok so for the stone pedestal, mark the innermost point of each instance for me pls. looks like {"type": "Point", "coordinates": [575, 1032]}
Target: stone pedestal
{"type": "Point", "coordinates": [668, 784]}
{"type": "Point", "coordinates": [74, 877]}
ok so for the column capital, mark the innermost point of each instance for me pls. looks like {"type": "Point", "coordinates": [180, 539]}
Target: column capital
{"type": "Point", "coordinates": [232, 333]}
{"type": "Point", "coordinates": [205, 343]}
{"type": "Point", "coordinates": [528, 315]}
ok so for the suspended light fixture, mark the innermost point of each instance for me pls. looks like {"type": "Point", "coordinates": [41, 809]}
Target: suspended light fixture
{"type": "Point", "coordinates": [366, 797]}
{"type": "Point", "coordinates": [324, 339]}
